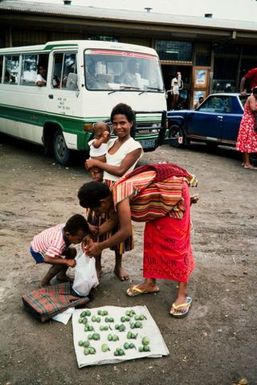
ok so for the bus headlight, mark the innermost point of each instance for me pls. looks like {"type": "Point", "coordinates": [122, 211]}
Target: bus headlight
{"type": "Point", "coordinates": [88, 127]}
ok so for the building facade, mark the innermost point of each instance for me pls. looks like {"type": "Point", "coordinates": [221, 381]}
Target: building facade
{"type": "Point", "coordinates": [211, 54]}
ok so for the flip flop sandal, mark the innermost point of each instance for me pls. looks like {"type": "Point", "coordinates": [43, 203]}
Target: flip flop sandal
{"type": "Point", "coordinates": [182, 310]}
{"type": "Point", "coordinates": [135, 290]}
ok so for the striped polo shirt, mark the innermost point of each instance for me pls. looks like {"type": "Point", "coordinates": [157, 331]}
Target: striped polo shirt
{"type": "Point", "coordinates": [50, 241]}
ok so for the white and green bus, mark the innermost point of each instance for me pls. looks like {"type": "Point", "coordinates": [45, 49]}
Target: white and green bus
{"type": "Point", "coordinates": [84, 81]}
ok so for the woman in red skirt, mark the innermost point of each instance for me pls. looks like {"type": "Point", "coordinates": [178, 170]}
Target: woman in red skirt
{"type": "Point", "coordinates": [158, 195]}
{"type": "Point", "coordinates": [247, 136]}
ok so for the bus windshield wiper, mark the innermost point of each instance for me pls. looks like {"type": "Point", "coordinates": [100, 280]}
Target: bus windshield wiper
{"type": "Point", "coordinates": [149, 89]}
{"type": "Point", "coordinates": [124, 87]}
{"type": "Point", "coordinates": [153, 88]}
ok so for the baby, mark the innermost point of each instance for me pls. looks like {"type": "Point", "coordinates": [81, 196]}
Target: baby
{"type": "Point", "coordinates": [98, 148]}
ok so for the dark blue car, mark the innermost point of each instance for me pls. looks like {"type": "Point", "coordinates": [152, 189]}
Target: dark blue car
{"type": "Point", "coordinates": [215, 121]}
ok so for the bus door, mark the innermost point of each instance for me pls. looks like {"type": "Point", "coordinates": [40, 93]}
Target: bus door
{"type": "Point", "coordinates": [63, 90]}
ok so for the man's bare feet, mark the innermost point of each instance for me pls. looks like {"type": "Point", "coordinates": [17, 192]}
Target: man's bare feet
{"type": "Point", "coordinates": [121, 273]}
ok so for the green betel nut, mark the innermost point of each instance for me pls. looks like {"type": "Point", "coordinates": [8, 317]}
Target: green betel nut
{"type": "Point", "coordinates": [105, 348]}
{"type": "Point", "coordinates": [96, 336]}
{"type": "Point", "coordinates": [86, 351]}
{"type": "Point", "coordinates": [145, 341]}
{"type": "Point", "coordinates": [92, 350]}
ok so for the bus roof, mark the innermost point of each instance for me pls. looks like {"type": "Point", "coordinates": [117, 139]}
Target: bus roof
{"type": "Point", "coordinates": [83, 44]}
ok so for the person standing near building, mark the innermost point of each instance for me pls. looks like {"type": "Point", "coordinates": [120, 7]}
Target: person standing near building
{"type": "Point", "coordinates": [247, 136]}
{"type": "Point", "coordinates": [175, 86]}
{"type": "Point", "coordinates": [197, 104]}
{"type": "Point", "coordinates": [250, 76]}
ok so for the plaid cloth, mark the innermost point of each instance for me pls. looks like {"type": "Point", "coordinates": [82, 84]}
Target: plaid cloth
{"type": "Point", "coordinates": [48, 301]}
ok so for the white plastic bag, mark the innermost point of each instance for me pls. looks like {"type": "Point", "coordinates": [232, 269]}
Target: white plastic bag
{"type": "Point", "coordinates": [85, 276]}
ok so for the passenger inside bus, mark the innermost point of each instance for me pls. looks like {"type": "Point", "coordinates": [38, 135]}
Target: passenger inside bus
{"type": "Point", "coordinates": [41, 76]}
{"type": "Point", "coordinates": [70, 77]}
{"type": "Point", "coordinates": [132, 77]}
{"type": "Point", "coordinates": [96, 80]}
{"type": "Point", "coordinates": [91, 76]}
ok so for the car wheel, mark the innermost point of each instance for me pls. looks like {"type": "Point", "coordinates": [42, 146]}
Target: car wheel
{"type": "Point", "coordinates": [177, 136]}
{"type": "Point", "coordinates": [61, 153]}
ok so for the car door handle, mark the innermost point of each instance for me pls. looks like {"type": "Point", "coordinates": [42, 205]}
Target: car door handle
{"type": "Point", "coordinates": [220, 117]}
{"type": "Point", "coordinates": [51, 96]}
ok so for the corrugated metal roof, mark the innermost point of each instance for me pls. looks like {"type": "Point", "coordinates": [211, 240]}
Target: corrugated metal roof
{"type": "Point", "coordinates": [126, 15]}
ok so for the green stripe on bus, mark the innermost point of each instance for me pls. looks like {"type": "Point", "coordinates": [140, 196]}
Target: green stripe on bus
{"type": "Point", "coordinates": [69, 124]}
{"type": "Point", "coordinates": [51, 46]}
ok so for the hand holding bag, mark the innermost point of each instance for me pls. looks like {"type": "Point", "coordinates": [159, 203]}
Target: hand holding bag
{"type": "Point", "coordinates": [85, 277]}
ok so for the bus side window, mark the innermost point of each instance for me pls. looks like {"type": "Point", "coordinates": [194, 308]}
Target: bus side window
{"type": "Point", "coordinates": [29, 70]}
{"type": "Point", "coordinates": [69, 79]}
{"type": "Point", "coordinates": [1, 69]}
{"type": "Point", "coordinates": [57, 70]}
{"type": "Point", "coordinates": [64, 74]}
{"type": "Point", "coordinates": [11, 69]}
{"type": "Point", "coordinates": [42, 68]}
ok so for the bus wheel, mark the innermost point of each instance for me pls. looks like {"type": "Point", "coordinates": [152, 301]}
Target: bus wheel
{"type": "Point", "coordinates": [61, 153]}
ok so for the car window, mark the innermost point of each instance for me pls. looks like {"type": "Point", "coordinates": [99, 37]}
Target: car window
{"type": "Point", "coordinates": [243, 99]}
{"type": "Point", "coordinates": [218, 104]}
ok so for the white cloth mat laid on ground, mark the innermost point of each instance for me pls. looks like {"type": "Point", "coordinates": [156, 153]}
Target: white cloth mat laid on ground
{"type": "Point", "coordinates": [148, 331]}
{"type": "Point", "coordinates": [64, 316]}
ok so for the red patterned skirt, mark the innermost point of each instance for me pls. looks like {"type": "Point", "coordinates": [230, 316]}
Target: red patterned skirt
{"type": "Point", "coordinates": [167, 246]}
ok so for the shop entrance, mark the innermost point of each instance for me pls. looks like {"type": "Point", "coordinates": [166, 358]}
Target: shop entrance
{"type": "Point", "coordinates": [169, 72]}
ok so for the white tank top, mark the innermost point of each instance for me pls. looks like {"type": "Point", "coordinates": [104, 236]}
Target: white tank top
{"type": "Point", "coordinates": [116, 159]}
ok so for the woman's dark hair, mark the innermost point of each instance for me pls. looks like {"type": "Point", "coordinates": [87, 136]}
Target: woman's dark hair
{"type": "Point", "coordinates": [126, 110]}
{"type": "Point", "coordinates": [254, 90]}
{"type": "Point", "coordinates": [75, 223]}
{"type": "Point", "coordinates": [91, 193]}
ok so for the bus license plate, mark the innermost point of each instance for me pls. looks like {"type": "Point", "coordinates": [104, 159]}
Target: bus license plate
{"type": "Point", "coordinates": [148, 143]}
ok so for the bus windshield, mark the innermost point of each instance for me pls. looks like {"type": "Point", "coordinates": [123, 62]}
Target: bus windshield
{"type": "Point", "coordinates": [122, 71]}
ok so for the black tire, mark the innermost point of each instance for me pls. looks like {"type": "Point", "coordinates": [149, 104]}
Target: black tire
{"type": "Point", "coordinates": [61, 153]}
{"type": "Point", "coordinates": [177, 136]}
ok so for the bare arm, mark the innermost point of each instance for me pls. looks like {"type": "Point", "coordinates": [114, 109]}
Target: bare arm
{"type": "Point", "coordinates": [59, 261]}
{"type": "Point", "coordinates": [120, 170]}
{"type": "Point", "coordinates": [40, 83]}
{"type": "Point", "coordinates": [252, 103]}
{"type": "Point", "coordinates": [124, 231]}
{"type": "Point", "coordinates": [103, 139]}
{"type": "Point", "coordinates": [242, 86]}
{"type": "Point", "coordinates": [108, 225]}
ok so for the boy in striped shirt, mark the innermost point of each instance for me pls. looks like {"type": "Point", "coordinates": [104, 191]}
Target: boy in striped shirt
{"type": "Point", "coordinates": [52, 246]}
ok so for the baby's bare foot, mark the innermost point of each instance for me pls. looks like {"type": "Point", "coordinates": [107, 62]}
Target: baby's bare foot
{"type": "Point", "coordinates": [121, 273]}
